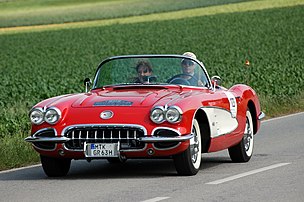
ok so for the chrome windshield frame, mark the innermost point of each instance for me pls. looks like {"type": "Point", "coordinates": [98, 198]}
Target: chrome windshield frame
{"type": "Point", "coordinates": [201, 64]}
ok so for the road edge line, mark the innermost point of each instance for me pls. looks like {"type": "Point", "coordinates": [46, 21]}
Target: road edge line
{"type": "Point", "coordinates": [282, 117]}
{"type": "Point", "coordinates": [21, 168]}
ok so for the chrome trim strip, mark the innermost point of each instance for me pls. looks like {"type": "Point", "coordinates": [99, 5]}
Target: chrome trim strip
{"type": "Point", "coordinates": [166, 139]}
{"type": "Point", "coordinates": [261, 116]}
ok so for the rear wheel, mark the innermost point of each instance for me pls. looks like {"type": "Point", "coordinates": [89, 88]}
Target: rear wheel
{"type": "Point", "coordinates": [55, 167]}
{"type": "Point", "coordinates": [242, 152]}
{"type": "Point", "coordinates": [189, 161]}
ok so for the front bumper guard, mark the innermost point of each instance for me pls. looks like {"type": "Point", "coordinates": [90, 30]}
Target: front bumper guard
{"type": "Point", "coordinates": [148, 139]}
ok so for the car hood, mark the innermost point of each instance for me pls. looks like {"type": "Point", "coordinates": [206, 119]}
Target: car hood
{"type": "Point", "coordinates": [140, 97]}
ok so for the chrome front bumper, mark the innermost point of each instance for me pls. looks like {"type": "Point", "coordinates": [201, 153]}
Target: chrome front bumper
{"type": "Point", "coordinates": [150, 139]}
{"type": "Point", "coordinates": [153, 139]}
{"type": "Point", "coordinates": [57, 139]}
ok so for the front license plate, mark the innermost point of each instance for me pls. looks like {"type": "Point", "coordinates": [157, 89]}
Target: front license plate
{"type": "Point", "coordinates": [101, 150]}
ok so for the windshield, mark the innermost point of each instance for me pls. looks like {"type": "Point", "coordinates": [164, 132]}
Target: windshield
{"type": "Point", "coordinates": [147, 70]}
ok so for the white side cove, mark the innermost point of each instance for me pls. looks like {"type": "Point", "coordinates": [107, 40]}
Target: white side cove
{"type": "Point", "coordinates": [221, 121]}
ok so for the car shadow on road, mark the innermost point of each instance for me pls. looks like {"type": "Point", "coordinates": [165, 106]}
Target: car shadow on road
{"type": "Point", "coordinates": [102, 169]}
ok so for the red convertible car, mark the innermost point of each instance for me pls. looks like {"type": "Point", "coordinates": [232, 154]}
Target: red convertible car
{"type": "Point", "coordinates": [146, 106]}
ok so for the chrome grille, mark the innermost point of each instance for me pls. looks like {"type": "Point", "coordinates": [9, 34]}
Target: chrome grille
{"type": "Point", "coordinates": [126, 135]}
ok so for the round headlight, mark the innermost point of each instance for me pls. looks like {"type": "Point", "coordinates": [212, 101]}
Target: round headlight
{"type": "Point", "coordinates": [36, 116]}
{"type": "Point", "coordinates": [157, 115]}
{"type": "Point", "coordinates": [52, 115]}
{"type": "Point", "coordinates": [174, 114]}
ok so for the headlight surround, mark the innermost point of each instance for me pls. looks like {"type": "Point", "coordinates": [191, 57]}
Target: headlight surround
{"type": "Point", "coordinates": [173, 114]}
{"type": "Point", "coordinates": [157, 114]}
{"type": "Point", "coordinates": [37, 116]}
{"type": "Point", "coordinates": [52, 115]}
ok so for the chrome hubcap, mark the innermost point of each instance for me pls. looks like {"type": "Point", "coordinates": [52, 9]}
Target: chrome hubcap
{"type": "Point", "coordinates": [194, 147]}
{"type": "Point", "coordinates": [248, 135]}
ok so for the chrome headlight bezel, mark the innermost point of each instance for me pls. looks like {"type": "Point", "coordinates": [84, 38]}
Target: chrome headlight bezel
{"type": "Point", "coordinates": [157, 115]}
{"type": "Point", "coordinates": [161, 114]}
{"type": "Point", "coordinates": [174, 114]}
{"type": "Point", "coordinates": [52, 115]}
{"type": "Point", "coordinates": [38, 111]}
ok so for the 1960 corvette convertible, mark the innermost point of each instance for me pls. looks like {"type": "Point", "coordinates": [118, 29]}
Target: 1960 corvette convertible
{"type": "Point", "coordinates": [146, 106]}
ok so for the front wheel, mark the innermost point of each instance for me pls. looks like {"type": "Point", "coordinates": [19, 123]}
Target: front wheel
{"type": "Point", "coordinates": [55, 167]}
{"type": "Point", "coordinates": [242, 152]}
{"type": "Point", "coordinates": [189, 161]}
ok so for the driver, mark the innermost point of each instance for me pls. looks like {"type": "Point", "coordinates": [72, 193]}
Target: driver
{"type": "Point", "coordinates": [188, 67]}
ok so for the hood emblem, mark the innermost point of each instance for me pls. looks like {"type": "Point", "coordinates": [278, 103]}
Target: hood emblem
{"type": "Point", "coordinates": [113, 103]}
{"type": "Point", "coordinates": [106, 114]}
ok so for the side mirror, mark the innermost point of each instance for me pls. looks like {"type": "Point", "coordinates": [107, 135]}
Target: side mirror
{"type": "Point", "coordinates": [216, 81]}
{"type": "Point", "coordinates": [87, 83]}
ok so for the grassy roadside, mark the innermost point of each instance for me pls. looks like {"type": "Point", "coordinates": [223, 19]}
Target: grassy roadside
{"type": "Point", "coordinates": [38, 65]}
{"type": "Point", "coordinates": [275, 108]}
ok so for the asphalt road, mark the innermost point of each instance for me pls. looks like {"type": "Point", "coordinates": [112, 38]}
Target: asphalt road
{"type": "Point", "coordinates": [274, 173]}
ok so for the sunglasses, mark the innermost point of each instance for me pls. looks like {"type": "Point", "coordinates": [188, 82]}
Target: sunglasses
{"type": "Point", "coordinates": [187, 63]}
{"type": "Point", "coordinates": [143, 72]}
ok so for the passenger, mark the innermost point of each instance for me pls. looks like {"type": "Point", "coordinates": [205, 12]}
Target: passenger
{"type": "Point", "coordinates": [144, 71]}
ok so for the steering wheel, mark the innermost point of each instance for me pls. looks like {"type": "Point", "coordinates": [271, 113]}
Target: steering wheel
{"type": "Point", "coordinates": [177, 79]}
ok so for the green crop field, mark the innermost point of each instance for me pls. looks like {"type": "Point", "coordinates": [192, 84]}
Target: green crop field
{"type": "Point", "coordinates": [33, 12]}
{"type": "Point", "coordinates": [39, 64]}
